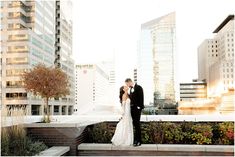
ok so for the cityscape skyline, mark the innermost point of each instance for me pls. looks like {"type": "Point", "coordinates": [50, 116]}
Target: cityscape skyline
{"type": "Point", "coordinates": [155, 63]}
{"type": "Point", "coordinates": [108, 38]}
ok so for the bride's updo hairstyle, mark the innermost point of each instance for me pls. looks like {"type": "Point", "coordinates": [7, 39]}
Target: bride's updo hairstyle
{"type": "Point", "coordinates": [121, 93]}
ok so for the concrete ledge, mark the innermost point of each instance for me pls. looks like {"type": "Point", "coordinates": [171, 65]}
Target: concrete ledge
{"type": "Point", "coordinates": [84, 120]}
{"type": "Point", "coordinates": [58, 125]}
{"type": "Point", "coordinates": [159, 147]}
{"type": "Point", "coordinates": [55, 151]}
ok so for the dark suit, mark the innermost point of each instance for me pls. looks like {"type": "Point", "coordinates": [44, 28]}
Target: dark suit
{"type": "Point", "coordinates": [137, 104]}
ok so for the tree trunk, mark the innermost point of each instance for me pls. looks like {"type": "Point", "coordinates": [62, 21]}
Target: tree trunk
{"type": "Point", "coordinates": [47, 120]}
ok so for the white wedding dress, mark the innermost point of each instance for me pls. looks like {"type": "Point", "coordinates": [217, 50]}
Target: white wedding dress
{"type": "Point", "coordinates": [123, 135]}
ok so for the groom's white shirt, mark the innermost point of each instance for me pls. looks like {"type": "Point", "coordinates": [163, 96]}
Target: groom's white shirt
{"type": "Point", "coordinates": [129, 91]}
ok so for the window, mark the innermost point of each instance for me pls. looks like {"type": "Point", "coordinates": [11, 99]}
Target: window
{"type": "Point", "coordinates": [63, 110]}
{"type": "Point", "coordinates": [18, 37]}
{"type": "Point", "coordinates": [56, 110]}
{"type": "Point", "coordinates": [23, 60]}
{"type": "Point", "coordinates": [11, 107]}
{"type": "Point", "coordinates": [14, 84]}
{"type": "Point", "coordinates": [15, 72]}
{"type": "Point", "coordinates": [18, 49]}
{"type": "Point", "coordinates": [19, 96]}
{"type": "Point", "coordinates": [35, 109]}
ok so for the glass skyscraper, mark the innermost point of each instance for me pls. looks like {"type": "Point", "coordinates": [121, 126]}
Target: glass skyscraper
{"type": "Point", "coordinates": [156, 59]}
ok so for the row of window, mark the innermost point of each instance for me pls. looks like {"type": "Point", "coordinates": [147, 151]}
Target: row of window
{"type": "Point", "coordinates": [227, 64]}
{"type": "Point", "coordinates": [18, 49]}
{"type": "Point", "coordinates": [35, 109]}
{"type": "Point", "coordinates": [18, 37]}
{"type": "Point", "coordinates": [231, 70]}
{"type": "Point", "coordinates": [228, 82]}
{"type": "Point", "coordinates": [217, 50]}
{"type": "Point", "coordinates": [16, 95]}
{"type": "Point", "coordinates": [14, 72]}
{"type": "Point", "coordinates": [231, 50]}
{"type": "Point", "coordinates": [192, 86]}
{"type": "Point", "coordinates": [212, 41]}
{"type": "Point", "coordinates": [228, 76]}
{"type": "Point", "coordinates": [14, 84]}
{"type": "Point", "coordinates": [23, 60]}
{"type": "Point", "coordinates": [212, 46]}
{"type": "Point", "coordinates": [230, 39]}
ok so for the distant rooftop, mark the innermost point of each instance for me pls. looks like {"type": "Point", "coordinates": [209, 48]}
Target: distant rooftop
{"type": "Point", "coordinates": [154, 21]}
{"type": "Point", "coordinates": [230, 17]}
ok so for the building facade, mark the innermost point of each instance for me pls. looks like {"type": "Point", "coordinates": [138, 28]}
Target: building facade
{"type": "Point", "coordinates": [27, 39]}
{"type": "Point", "coordinates": [135, 75]}
{"type": "Point", "coordinates": [109, 68]}
{"type": "Point", "coordinates": [156, 59]}
{"type": "Point", "coordinates": [63, 49]}
{"type": "Point", "coordinates": [216, 59]}
{"type": "Point", "coordinates": [193, 91]}
{"type": "Point", "coordinates": [92, 84]}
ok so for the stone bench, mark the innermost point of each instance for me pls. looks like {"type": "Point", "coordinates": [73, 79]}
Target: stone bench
{"type": "Point", "coordinates": [88, 149]}
{"type": "Point", "coordinates": [55, 151]}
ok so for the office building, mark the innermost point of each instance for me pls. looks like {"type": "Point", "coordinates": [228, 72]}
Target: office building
{"type": "Point", "coordinates": [156, 59]}
{"type": "Point", "coordinates": [63, 49]}
{"type": "Point", "coordinates": [216, 59]}
{"type": "Point", "coordinates": [92, 84]}
{"type": "Point", "coordinates": [193, 91]}
{"type": "Point", "coordinates": [27, 39]}
{"type": "Point", "coordinates": [109, 68]}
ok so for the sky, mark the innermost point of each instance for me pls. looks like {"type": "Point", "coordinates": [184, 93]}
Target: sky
{"type": "Point", "coordinates": [106, 29]}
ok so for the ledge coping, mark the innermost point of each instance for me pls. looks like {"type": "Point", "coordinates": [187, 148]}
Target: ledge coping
{"type": "Point", "coordinates": [159, 147]}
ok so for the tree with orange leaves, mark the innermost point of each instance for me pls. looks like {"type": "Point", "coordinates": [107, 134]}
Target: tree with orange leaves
{"type": "Point", "coordinates": [46, 82]}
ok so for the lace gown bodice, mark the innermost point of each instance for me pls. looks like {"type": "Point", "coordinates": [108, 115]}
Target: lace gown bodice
{"type": "Point", "coordinates": [124, 130]}
{"type": "Point", "coordinates": [126, 109]}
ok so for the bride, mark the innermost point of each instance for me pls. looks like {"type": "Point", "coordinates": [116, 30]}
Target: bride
{"type": "Point", "coordinates": [123, 135]}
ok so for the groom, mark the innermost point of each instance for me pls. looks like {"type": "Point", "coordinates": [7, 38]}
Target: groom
{"type": "Point", "coordinates": [136, 95]}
